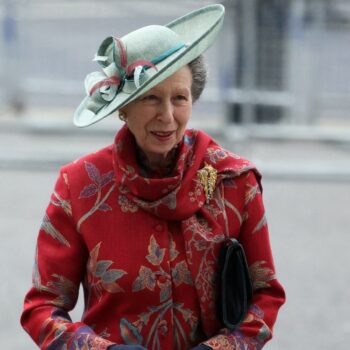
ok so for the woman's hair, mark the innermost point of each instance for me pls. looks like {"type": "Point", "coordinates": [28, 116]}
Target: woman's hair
{"type": "Point", "coordinates": [199, 76]}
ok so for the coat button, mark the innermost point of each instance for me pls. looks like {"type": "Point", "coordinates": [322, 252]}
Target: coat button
{"type": "Point", "coordinates": [159, 228]}
{"type": "Point", "coordinates": [163, 328]}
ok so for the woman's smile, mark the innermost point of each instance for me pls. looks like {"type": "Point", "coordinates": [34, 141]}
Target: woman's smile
{"type": "Point", "coordinates": [163, 136]}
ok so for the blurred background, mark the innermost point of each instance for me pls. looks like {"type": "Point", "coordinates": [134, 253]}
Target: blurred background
{"type": "Point", "coordinates": [278, 94]}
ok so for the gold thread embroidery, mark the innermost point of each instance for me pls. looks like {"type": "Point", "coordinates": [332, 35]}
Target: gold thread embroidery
{"type": "Point", "coordinates": [207, 176]}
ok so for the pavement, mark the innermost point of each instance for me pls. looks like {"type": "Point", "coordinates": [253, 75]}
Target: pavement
{"type": "Point", "coordinates": [306, 191]}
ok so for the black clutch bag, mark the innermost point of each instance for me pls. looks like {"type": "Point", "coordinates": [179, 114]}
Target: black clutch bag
{"type": "Point", "coordinates": [235, 287]}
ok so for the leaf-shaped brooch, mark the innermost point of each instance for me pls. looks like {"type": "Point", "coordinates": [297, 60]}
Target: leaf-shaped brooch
{"type": "Point", "coordinates": [207, 176]}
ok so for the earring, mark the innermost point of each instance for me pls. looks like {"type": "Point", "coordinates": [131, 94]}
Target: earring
{"type": "Point", "coordinates": [122, 116]}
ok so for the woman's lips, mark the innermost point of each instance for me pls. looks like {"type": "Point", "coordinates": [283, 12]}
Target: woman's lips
{"type": "Point", "coordinates": [163, 135]}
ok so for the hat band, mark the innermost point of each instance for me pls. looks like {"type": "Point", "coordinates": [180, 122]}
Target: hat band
{"type": "Point", "coordinates": [167, 53]}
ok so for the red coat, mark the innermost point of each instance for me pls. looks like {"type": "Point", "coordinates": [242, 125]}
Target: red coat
{"type": "Point", "coordinates": [146, 252]}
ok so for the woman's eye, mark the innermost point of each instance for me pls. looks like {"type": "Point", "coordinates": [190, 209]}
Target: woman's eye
{"type": "Point", "coordinates": [150, 98]}
{"type": "Point", "coordinates": [181, 97]}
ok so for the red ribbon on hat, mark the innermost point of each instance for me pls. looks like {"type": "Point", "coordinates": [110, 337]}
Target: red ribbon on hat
{"type": "Point", "coordinates": [115, 80]}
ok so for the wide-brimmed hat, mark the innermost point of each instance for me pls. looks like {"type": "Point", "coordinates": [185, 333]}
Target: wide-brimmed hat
{"type": "Point", "coordinates": [138, 61]}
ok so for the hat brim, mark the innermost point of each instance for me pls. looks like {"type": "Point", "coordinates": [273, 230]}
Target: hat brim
{"type": "Point", "coordinates": [197, 30]}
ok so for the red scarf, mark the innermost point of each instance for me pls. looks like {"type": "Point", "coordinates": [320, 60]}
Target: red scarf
{"type": "Point", "coordinates": [181, 197]}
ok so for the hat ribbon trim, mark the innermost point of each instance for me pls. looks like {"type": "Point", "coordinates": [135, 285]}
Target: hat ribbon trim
{"type": "Point", "coordinates": [122, 50]}
{"type": "Point", "coordinates": [138, 66]}
{"type": "Point", "coordinates": [167, 53]}
{"type": "Point", "coordinates": [114, 80]}
{"type": "Point", "coordinates": [143, 63]}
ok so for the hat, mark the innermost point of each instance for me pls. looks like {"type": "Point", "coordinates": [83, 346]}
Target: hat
{"type": "Point", "coordinates": [138, 61]}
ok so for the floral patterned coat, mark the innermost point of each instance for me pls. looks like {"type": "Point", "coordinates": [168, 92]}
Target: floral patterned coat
{"type": "Point", "coordinates": [145, 251]}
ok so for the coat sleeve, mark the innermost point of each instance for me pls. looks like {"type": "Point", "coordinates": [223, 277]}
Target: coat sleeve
{"type": "Point", "coordinates": [268, 294]}
{"type": "Point", "coordinates": [59, 268]}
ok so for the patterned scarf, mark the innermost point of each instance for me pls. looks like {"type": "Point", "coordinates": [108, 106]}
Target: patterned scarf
{"type": "Point", "coordinates": [183, 197]}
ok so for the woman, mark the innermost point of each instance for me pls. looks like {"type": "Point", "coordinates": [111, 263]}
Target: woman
{"type": "Point", "coordinates": [140, 223]}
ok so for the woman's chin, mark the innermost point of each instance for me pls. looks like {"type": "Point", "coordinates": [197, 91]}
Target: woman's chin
{"type": "Point", "coordinates": [159, 152]}
{"type": "Point", "coordinates": [163, 148]}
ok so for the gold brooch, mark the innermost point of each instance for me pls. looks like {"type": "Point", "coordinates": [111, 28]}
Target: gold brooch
{"type": "Point", "coordinates": [207, 176]}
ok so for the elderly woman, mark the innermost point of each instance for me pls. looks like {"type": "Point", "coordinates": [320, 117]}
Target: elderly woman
{"type": "Point", "coordinates": [141, 222]}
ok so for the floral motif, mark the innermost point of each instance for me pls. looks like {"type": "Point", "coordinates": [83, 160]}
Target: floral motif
{"type": "Point", "coordinates": [146, 279]}
{"type": "Point", "coordinates": [255, 316]}
{"type": "Point", "coordinates": [151, 278]}
{"type": "Point", "coordinates": [215, 154]}
{"type": "Point", "coordinates": [168, 201]}
{"type": "Point", "coordinates": [66, 291]}
{"type": "Point", "coordinates": [130, 333]}
{"type": "Point", "coordinates": [50, 229]}
{"type": "Point", "coordinates": [251, 193]}
{"type": "Point", "coordinates": [126, 205]}
{"type": "Point", "coordinates": [261, 275]}
{"type": "Point", "coordinates": [172, 249]}
{"type": "Point", "coordinates": [201, 227]}
{"type": "Point", "coordinates": [57, 201]}
{"type": "Point", "coordinates": [156, 254]}
{"type": "Point", "coordinates": [190, 138]}
{"type": "Point", "coordinates": [98, 181]}
{"type": "Point", "coordinates": [195, 195]}
{"type": "Point", "coordinates": [119, 146]}
{"type": "Point", "coordinates": [36, 278]}
{"type": "Point", "coordinates": [264, 333]}
{"type": "Point", "coordinates": [181, 274]}
{"type": "Point", "coordinates": [203, 239]}
{"type": "Point", "coordinates": [65, 179]}
{"type": "Point", "coordinates": [128, 171]}
{"type": "Point", "coordinates": [54, 335]}
{"type": "Point", "coordinates": [236, 340]}
{"type": "Point", "coordinates": [256, 311]}
{"type": "Point", "coordinates": [235, 210]}
{"type": "Point", "coordinates": [262, 222]}
{"type": "Point", "coordinates": [54, 326]}
{"type": "Point", "coordinates": [100, 277]}
{"type": "Point", "coordinates": [95, 188]}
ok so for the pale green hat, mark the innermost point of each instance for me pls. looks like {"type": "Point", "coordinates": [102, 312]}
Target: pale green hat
{"type": "Point", "coordinates": [143, 58]}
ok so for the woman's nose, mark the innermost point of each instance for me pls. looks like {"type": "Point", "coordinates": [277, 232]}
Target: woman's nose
{"type": "Point", "coordinates": [166, 112]}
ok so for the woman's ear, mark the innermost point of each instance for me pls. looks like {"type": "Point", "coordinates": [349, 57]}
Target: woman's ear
{"type": "Point", "coordinates": [122, 115]}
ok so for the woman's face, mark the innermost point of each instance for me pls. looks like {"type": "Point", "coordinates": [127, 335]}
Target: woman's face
{"type": "Point", "coordinates": [158, 118]}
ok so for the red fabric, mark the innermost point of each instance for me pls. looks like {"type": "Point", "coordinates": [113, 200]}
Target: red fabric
{"type": "Point", "coordinates": [146, 250]}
